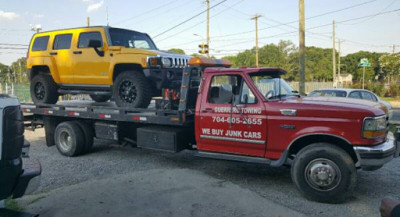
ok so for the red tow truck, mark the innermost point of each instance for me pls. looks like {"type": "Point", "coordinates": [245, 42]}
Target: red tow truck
{"type": "Point", "coordinates": [243, 114]}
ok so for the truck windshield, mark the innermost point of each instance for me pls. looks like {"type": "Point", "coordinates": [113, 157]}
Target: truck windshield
{"type": "Point", "coordinates": [272, 87]}
{"type": "Point", "coordinates": [131, 39]}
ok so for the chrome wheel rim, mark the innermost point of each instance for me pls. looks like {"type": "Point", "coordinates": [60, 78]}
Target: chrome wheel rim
{"type": "Point", "coordinates": [127, 91]}
{"type": "Point", "coordinates": [323, 174]}
{"type": "Point", "coordinates": [65, 141]}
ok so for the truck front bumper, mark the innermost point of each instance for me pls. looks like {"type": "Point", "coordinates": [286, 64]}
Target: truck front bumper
{"type": "Point", "coordinates": [374, 157]}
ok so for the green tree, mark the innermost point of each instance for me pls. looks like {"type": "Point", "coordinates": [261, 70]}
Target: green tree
{"type": "Point", "coordinates": [18, 69]}
{"type": "Point", "coordinates": [350, 65]}
{"type": "Point", "coordinates": [177, 50]}
{"type": "Point", "coordinates": [390, 65]}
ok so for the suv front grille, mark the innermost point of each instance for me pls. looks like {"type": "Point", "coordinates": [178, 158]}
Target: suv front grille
{"type": "Point", "coordinates": [179, 62]}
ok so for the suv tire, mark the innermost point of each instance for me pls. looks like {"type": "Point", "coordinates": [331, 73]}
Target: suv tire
{"type": "Point", "coordinates": [324, 172]}
{"type": "Point", "coordinates": [100, 98]}
{"type": "Point", "coordinates": [43, 89]}
{"type": "Point", "coordinates": [131, 89]}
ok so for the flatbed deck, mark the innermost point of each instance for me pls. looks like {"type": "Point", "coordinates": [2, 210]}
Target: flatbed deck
{"type": "Point", "coordinates": [108, 111]}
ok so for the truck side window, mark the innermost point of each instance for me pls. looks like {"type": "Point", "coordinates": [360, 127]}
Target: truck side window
{"type": "Point", "coordinates": [62, 42]}
{"type": "Point", "coordinates": [85, 37]}
{"type": "Point", "coordinates": [40, 43]}
{"type": "Point", "coordinates": [222, 88]}
{"type": "Point", "coordinates": [251, 98]}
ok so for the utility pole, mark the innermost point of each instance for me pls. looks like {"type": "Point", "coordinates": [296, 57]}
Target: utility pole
{"type": "Point", "coordinates": [394, 47]}
{"type": "Point", "coordinates": [88, 21]}
{"type": "Point", "coordinates": [339, 83]}
{"type": "Point", "coordinates": [208, 26]}
{"type": "Point", "coordinates": [20, 71]}
{"type": "Point", "coordinates": [334, 53]}
{"type": "Point", "coordinates": [256, 19]}
{"type": "Point", "coordinates": [302, 48]}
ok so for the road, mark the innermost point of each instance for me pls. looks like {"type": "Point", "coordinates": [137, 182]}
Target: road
{"type": "Point", "coordinates": [118, 180]}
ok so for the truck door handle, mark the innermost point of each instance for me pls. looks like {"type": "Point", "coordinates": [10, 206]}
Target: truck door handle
{"type": "Point", "coordinates": [53, 53]}
{"type": "Point", "coordinates": [206, 110]}
{"type": "Point", "coordinates": [77, 52]}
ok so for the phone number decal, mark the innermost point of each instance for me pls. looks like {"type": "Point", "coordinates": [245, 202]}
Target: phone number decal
{"type": "Point", "coordinates": [236, 120]}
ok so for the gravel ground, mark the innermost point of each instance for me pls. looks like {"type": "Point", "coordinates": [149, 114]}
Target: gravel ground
{"type": "Point", "coordinates": [275, 184]}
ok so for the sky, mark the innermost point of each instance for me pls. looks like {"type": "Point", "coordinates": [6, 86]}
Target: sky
{"type": "Point", "coordinates": [370, 25]}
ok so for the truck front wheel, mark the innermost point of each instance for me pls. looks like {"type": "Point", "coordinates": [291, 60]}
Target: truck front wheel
{"type": "Point", "coordinates": [324, 173]}
{"type": "Point", "coordinates": [131, 89]}
{"type": "Point", "coordinates": [43, 89]}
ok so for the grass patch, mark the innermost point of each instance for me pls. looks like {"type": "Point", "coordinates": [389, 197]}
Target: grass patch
{"type": "Point", "coordinates": [390, 99]}
{"type": "Point", "coordinates": [13, 205]}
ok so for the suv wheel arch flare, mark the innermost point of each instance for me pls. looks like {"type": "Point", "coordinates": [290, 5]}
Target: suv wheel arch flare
{"type": "Point", "coordinates": [305, 140]}
{"type": "Point", "coordinates": [121, 67]}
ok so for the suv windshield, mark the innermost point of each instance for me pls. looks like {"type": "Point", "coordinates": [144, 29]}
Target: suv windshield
{"type": "Point", "coordinates": [131, 39]}
{"type": "Point", "coordinates": [272, 87]}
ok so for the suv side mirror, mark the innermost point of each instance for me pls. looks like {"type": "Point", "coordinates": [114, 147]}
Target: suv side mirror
{"type": "Point", "coordinates": [96, 44]}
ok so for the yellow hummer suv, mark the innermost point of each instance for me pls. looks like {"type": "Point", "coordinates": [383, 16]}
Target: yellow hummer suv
{"type": "Point", "coordinates": [103, 62]}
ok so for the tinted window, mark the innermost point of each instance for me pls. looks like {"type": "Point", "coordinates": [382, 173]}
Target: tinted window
{"type": "Point", "coordinates": [355, 95]}
{"type": "Point", "coordinates": [62, 42]}
{"type": "Point", "coordinates": [84, 38]}
{"type": "Point", "coordinates": [40, 43]}
{"type": "Point", "coordinates": [128, 38]}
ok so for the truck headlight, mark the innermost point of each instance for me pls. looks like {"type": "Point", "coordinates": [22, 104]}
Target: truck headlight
{"type": "Point", "coordinates": [166, 62]}
{"type": "Point", "coordinates": [374, 127]}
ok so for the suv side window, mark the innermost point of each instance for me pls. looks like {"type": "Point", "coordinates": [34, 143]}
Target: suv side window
{"type": "Point", "coordinates": [62, 42]}
{"type": "Point", "coordinates": [85, 37]}
{"type": "Point", "coordinates": [355, 95]}
{"type": "Point", "coordinates": [40, 43]}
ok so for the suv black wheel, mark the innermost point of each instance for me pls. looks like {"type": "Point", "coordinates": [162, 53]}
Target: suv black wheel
{"type": "Point", "coordinates": [43, 89]}
{"type": "Point", "coordinates": [324, 173]}
{"type": "Point", "coordinates": [69, 139]}
{"type": "Point", "coordinates": [131, 89]}
{"type": "Point", "coordinates": [100, 98]}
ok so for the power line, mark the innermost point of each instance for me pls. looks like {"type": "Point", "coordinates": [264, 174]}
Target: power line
{"type": "Point", "coordinates": [12, 48]}
{"type": "Point", "coordinates": [228, 7]}
{"type": "Point", "coordinates": [7, 44]}
{"type": "Point", "coordinates": [187, 20]}
{"type": "Point", "coordinates": [144, 13]}
{"type": "Point", "coordinates": [295, 21]}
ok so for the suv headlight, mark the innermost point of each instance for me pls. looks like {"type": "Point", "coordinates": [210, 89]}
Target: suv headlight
{"type": "Point", "coordinates": [166, 62]}
{"type": "Point", "coordinates": [374, 127]}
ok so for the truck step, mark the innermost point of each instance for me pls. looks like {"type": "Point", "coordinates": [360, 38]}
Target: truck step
{"type": "Point", "coordinates": [233, 157]}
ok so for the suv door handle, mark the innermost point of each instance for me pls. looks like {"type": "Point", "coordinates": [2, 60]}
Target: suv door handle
{"type": "Point", "coordinates": [77, 52]}
{"type": "Point", "coordinates": [53, 53]}
{"type": "Point", "coordinates": [207, 110]}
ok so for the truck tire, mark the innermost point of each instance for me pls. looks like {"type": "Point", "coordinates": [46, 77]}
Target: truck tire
{"type": "Point", "coordinates": [131, 89]}
{"type": "Point", "coordinates": [69, 139]}
{"type": "Point", "coordinates": [324, 173]}
{"type": "Point", "coordinates": [43, 89]}
{"type": "Point", "coordinates": [88, 132]}
{"type": "Point", "coordinates": [100, 98]}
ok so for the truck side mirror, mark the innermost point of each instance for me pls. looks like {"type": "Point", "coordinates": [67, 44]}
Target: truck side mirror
{"type": "Point", "coordinates": [96, 44]}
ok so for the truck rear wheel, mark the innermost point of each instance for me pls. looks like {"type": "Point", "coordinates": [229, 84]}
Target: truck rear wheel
{"type": "Point", "coordinates": [69, 139]}
{"type": "Point", "coordinates": [131, 89]}
{"type": "Point", "coordinates": [43, 89]}
{"type": "Point", "coordinates": [88, 133]}
{"type": "Point", "coordinates": [324, 173]}
{"type": "Point", "coordinates": [100, 98]}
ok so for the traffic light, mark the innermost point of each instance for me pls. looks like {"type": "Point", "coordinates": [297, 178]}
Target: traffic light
{"type": "Point", "coordinates": [204, 48]}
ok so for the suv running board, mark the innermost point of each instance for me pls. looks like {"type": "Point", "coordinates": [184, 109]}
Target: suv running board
{"type": "Point", "coordinates": [95, 92]}
{"type": "Point", "coordinates": [241, 158]}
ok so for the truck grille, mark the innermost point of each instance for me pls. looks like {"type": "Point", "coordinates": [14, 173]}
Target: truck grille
{"type": "Point", "coordinates": [179, 62]}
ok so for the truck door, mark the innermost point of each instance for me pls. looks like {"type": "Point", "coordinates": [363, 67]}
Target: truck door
{"type": "Point", "coordinates": [90, 67]}
{"type": "Point", "coordinates": [232, 119]}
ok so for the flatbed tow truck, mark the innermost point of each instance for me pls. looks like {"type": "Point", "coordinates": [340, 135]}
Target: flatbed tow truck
{"type": "Point", "coordinates": [246, 114]}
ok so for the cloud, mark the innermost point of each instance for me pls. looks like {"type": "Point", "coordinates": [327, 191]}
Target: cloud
{"type": "Point", "coordinates": [38, 16]}
{"type": "Point", "coordinates": [8, 15]}
{"type": "Point", "coordinates": [95, 6]}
